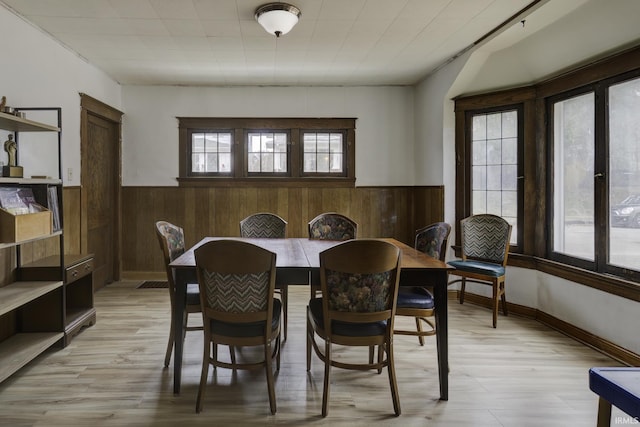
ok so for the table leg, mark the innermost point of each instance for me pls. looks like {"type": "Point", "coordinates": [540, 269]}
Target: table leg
{"type": "Point", "coordinates": [604, 413]}
{"type": "Point", "coordinates": [178, 319]}
{"type": "Point", "coordinates": [442, 341]}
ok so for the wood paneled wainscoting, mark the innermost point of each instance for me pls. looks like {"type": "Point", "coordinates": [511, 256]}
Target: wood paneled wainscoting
{"type": "Point", "coordinates": [216, 211]}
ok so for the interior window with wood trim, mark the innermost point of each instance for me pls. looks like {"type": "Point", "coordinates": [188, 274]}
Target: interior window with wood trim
{"type": "Point", "coordinates": [221, 151]}
{"type": "Point", "coordinates": [594, 193]}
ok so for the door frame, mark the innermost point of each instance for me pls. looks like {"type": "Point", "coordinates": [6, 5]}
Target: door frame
{"type": "Point", "coordinates": [91, 106]}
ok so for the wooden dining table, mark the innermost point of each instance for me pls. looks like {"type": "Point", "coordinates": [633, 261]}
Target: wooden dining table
{"type": "Point", "coordinates": [298, 262]}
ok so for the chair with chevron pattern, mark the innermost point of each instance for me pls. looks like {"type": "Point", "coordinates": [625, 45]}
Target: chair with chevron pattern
{"type": "Point", "coordinates": [171, 239]}
{"type": "Point", "coordinates": [485, 248]}
{"type": "Point", "coordinates": [237, 285]}
{"type": "Point", "coordinates": [270, 226]}
{"type": "Point", "coordinates": [263, 225]}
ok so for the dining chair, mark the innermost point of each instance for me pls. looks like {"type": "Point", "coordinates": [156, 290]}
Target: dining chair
{"type": "Point", "coordinates": [237, 285]}
{"type": "Point", "coordinates": [359, 282]}
{"type": "Point", "coordinates": [270, 226]}
{"type": "Point", "coordinates": [417, 301]}
{"type": "Point", "coordinates": [171, 239]}
{"type": "Point", "coordinates": [485, 248]}
{"type": "Point", "coordinates": [331, 226]}
{"type": "Point", "coordinates": [263, 225]}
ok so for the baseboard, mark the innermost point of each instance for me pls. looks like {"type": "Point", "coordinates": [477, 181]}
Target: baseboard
{"type": "Point", "coordinates": [600, 344]}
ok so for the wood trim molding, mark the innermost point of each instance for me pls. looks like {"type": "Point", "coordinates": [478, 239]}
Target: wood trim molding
{"type": "Point", "coordinates": [597, 343]}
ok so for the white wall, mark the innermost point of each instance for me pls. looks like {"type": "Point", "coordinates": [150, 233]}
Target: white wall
{"type": "Point", "coordinates": [384, 125]}
{"type": "Point", "coordinates": [38, 72]}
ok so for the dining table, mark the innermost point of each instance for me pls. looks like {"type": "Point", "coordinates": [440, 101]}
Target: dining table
{"type": "Point", "coordinates": [298, 263]}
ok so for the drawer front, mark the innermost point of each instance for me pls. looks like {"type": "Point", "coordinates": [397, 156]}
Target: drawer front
{"type": "Point", "coordinates": [77, 271]}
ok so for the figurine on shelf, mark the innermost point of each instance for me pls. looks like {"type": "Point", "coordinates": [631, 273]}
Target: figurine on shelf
{"type": "Point", "coordinates": [11, 148]}
{"type": "Point", "coordinates": [12, 169]}
{"type": "Point", "coordinates": [3, 102]}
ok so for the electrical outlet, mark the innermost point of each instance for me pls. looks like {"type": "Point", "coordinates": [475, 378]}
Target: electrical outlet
{"type": "Point", "coordinates": [70, 174]}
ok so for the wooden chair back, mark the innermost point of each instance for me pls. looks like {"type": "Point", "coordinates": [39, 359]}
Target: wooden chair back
{"type": "Point", "coordinates": [263, 225]}
{"type": "Point", "coordinates": [332, 226]}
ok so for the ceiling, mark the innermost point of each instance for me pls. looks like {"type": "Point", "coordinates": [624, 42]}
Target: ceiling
{"type": "Point", "coordinates": [218, 42]}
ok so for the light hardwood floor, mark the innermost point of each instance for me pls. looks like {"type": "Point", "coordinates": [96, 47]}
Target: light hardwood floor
{"type": "Point", "coordinates": [520, 374]}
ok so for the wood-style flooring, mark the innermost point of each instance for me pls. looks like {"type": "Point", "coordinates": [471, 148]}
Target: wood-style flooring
{"type": "Point", "coordinates": [112, 374]}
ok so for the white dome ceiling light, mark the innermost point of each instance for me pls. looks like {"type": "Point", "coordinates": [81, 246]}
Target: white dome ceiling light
{"type": "Point", "coordinates": [277, 18]}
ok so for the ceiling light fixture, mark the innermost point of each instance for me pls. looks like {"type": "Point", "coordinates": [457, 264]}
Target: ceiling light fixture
{"type": "Point", "coordinates": [277, 18]}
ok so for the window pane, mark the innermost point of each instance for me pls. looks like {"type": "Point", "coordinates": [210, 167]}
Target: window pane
{"type": "Point", "coordinates": [573, 181]}
{"type": "Point", "coordinates": [494, 154]}
{"type": "Point", "coordinates": [323, 152]}
{"type": "Point", "coordinates": [205, 149]}
{"type": "Point", "coordinates": [267, 152]}
{"type": "Point", "coordinates": [479, 131]}
{"type": "Point", "coordinates": [624, 180]}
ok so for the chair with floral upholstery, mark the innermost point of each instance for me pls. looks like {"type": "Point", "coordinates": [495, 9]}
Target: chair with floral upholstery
{"type": "Point", "coordinates": [359, 283]}
{"type": "Point", "coordinates": [171, 239]}
{"type": "Point", "coordinates": [269, 226]}
{"type": "Point", "coordinates": [332, 226]}
{"type": "Point", "coordinates": [237, 285]}
{"type": "Point", "coordinates": [485, 248]}
{"type": "Point", "coordinates": [417, 301]}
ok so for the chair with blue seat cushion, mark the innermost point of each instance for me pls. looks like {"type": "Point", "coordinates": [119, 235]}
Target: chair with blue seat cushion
{"type": "Point", "coordinates": [171, 239]}
{"type": "Point", "coordinates": [417, 301]}
{"type": "Point", "coordinates": [237, 285]}
{"type": "Point", "coordinates": [359, 284]}
{"type": "Point", "coordinates": [485, 248]}
{"type": "Point", "coordinates": [267, 225]}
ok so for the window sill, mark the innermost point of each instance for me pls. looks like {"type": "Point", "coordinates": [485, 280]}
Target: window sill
{"type": "Point", "coordinates": [266, 182]}
{"type": "Point", "coordinates": [604, 282]}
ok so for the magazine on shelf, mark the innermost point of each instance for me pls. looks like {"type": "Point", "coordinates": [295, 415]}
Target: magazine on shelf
{"type": "Point", "coordinates": [19, 200]}
{"type": "Point", "coordinates": [52, 201]}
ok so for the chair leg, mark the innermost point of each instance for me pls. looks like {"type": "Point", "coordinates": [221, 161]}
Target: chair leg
{"type": "Point", "coordinates": [268, 357]}
{"type": "Point", "coordinates": [463, 284]}
{"type": "Point", "coordinates": [503, 296]}
{"type": "Point", "coordinates": [496, 300]}
{"type": "Point", "coordinates": [167, 356]}
{"type": "Point", "coordinates": [232, 354]}
{"type": "Point", "coordinates": [393, 383]}
{"type": "Point", "coordinates": [372, 350]}
{"type": "Point", "coordinates": [327, 371]}
{"type": "Point", "coordinates": [206, 359]}
{"type": "Point", "coordinates": [419, 329]}
{"type": "Point", "coordinates": [310, 337]}
{"type": "Point", "coordinates": [380, 357]}
{"type": "Point", "coordinates": [284, 294]}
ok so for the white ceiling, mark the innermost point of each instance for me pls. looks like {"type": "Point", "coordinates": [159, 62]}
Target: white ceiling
{"type": "Point", "coordinates": [218, 42]}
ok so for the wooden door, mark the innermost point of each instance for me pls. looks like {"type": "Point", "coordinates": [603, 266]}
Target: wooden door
{"type": "Point", "coordinates": [101, 189]}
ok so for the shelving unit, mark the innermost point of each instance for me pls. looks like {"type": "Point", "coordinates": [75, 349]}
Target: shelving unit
{"type": "Point", "coordinates": [43, 307]}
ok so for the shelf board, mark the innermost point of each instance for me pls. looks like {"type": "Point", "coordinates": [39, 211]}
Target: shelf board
{"type": "Point", "coordinates": [18, 294]}
{"type": "Point", "coordinates": [18, 124]}
{"type": "Point", "coordinates": [51, 181]}
{"type": "Point", "coordinates": [9, 245]}
{"type": "Point", "coordinates": [20, 349]}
